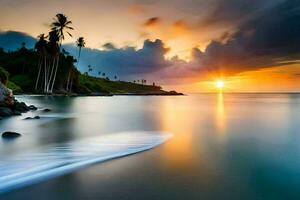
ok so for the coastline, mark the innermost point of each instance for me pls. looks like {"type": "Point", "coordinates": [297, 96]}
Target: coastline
{"type": "Point", "coordinates": [163, 93]}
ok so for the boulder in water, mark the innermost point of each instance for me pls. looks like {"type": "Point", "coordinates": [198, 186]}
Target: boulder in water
{"type": "Point", "coordinates": [5, 112]}
{"type": "Point", "coordinates": [10, 135]}
{"type": "Point", "coordinates": [29, 118]}
{"type": "Point", "coordinates": [32, 107]}
{"type": "Point", "coordinates": [21, 107]}
{"type": "Point", "coordinates": [47, 110]}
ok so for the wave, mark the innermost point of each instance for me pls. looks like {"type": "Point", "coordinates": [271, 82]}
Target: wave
{"type": "Point", "coordinates": [41, 164]}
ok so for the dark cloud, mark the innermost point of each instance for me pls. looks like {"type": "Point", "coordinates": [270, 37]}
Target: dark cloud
{"type": "Point", "coordinates": [236, 11]}
{"type": "Point", "coordinates": [126, 61]}
{"type": "Point", "coordinates": [152, 22]}
{"type": "Point", "coordinates": [264, 41]}
{"type": "Point", "coordinates": [109, 46]}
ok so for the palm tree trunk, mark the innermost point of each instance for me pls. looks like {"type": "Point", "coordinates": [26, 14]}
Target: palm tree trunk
{"type": "Point", "coordinates": [39, 72]}
{"type": "Point", "coordinates": [57, 61]}
{"type": "Point", "coordinates": [45, 73]}
{"type": "Point", "coordinates": [79, 53]}
{"type": "Point", "coordinates": [68, 80]}
{"type": "Point", "coordinates": [72, 78]}
{"type": "Point", "coordinates": [51, 74]}
{"type": "Point", "coordinates": [55, 72]}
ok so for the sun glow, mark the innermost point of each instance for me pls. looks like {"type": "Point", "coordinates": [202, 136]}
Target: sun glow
{"type": "Point", "coordinates": [219, 84]}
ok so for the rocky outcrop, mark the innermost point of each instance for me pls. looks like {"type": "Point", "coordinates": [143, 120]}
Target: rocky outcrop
{"type": "Point", "coordinates": [9, 106]}
{"type": "Point", "coordinates": [6, 96]}
{"type": "Point", "coordinates": [5, 112]}
{"type": "Point", "coordinates": [16, 109]}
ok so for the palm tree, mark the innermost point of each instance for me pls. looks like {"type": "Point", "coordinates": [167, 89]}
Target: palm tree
{"type": "Point", "coordinates": [90, 68]}
{"type": "Point", "coordinates": [60, 25]}
{"type": "Point", "coordinates": [23, 45]}
{"type": "Point", "coordinates": [40, 46]}
{"type": "Point", "coordinates": [80, 43]}
{"type": "Point", "coordinates": [115, 77]}
{"type": "Point", "coordinates": [53, 50]}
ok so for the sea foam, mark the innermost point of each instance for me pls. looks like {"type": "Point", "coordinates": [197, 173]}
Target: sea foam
{"type": "Point", "coordinates": [51, 161]}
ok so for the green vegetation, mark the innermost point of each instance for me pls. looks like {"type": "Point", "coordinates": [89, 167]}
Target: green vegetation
{"type": "Point", "coordinates": [15, 88]}
{"type": "Point", "coordinates": [49, 69]}
{"type": "Point", "coordinates": [116, 87]}
{"type": "Point", "coordinates": [21, 67]}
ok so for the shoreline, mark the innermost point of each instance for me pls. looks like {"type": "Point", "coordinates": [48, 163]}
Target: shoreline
{"type": "Point", "coordinates": [107, 95]}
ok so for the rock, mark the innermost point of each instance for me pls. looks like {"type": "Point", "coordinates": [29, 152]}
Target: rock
{"type": "Point", "coordinates": [17, 112]}
{"type": "Point", "coordinates": [32, 107]}
{"type": "Point", "coordinates": [29, 118]}
{"type": "Point", "coordinates": [21, 107]}
{"type": "Point", "coordinates": [10, 135]}
{"type": "Point", "coordinates": [6, 95]}
{"type": "Point", "coordinates": [5, 112]}
{"type": "Point", "coordinates": [47, 110]}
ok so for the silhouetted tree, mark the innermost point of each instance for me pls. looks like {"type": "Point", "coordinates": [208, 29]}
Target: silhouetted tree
{"type": "Point", "coordinates": [40, 46]}
{"type": "Point", "coordinates": [23, 45]}
{"type": "Point", "coordinates": [60, 25]}
{"type": "Point", "coordinates": [80, 44]}
{"type": "Point", "coordinates": [52, 63]}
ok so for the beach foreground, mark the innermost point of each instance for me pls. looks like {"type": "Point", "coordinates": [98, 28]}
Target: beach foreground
{"type": "Point", "coordinates": [224, 146]}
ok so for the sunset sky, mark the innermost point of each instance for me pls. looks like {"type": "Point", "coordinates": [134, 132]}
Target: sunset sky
{"type": "Point", "coordinates": [181, 44]}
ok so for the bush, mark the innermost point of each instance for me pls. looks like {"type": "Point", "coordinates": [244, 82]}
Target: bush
{"type": "Point", "coordinates": [26, 83]}
{"type": "Point", "coordinates": [15, 88]}
{"type": "Point", "coordinates": [3, 75]}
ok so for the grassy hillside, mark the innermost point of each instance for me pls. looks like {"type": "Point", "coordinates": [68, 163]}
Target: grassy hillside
{"type": "Point", "coordinates": [116, 87]}
{"type": "Point", "coordinates": [21, 67]}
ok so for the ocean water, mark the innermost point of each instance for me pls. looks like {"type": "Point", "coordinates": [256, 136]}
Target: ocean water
{"type": "Point", "coordinates": [224, 146]}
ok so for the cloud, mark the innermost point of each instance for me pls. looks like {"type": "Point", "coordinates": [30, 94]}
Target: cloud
{"type": "Point", "coordinates": [261, 40]}
{"type": "Point", "coordinates": [127, 61]}
{"type": "Point", "coordinates": [228, 12]}
{"type": "Point", "coordinates": [109, 46]}
{"type": "Point", "coordinates": [267, 40]}
{"type": "Point", "coordinates": [152, 22]}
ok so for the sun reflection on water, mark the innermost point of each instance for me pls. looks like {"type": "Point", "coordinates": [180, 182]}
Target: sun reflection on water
{"type": "Point", "coordinates": [179, 120]}
{"type": "Point", "coordinates": [220, 114]}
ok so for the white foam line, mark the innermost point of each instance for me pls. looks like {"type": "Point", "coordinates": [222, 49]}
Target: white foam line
{"type": "Point", "coordinates": [70, 160]}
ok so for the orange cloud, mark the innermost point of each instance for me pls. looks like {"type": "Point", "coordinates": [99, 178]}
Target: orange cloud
{"type": "Point", "coordinates": [180, 27]}
{"type": "Point", "coordinates": [151, 22]}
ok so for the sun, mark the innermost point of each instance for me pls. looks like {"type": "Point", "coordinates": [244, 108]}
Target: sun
{"type": "Point", "coordinates": [219, 84]}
